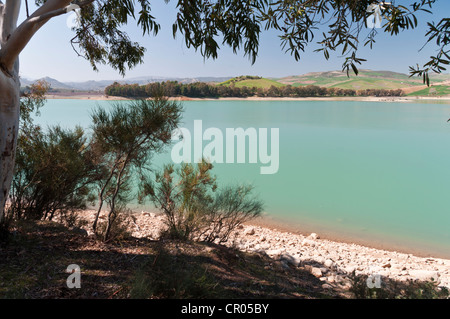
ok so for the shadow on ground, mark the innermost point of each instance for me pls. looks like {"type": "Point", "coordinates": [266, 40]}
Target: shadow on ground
{"type": "Point", "coordinates": [34, 260]}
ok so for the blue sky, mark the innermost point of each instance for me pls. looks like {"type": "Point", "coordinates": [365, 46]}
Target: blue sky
{"type": "Point", "coordinates": [50, 54]}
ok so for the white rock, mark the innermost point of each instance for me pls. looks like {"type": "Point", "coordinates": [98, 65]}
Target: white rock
{"type": "Point", "coordinates": [424, 275]}
{"type": "Point", "coordinates": [308, 242]}
{"type": "Point", "coordinates": [250, 232]}
{"type": "Point", "coordinates": [331, 279]}
{"type": "Point", "coordinates": [320, 259]}
{"type": "Point", "coordinates": [329, 263]}
{"type": "Point", "coordinates": [316, 272]}
{"type": "Point", "coordinates": [350, 268]}
{"type": "Point", "coordinates": [313, 236]}
{"type": "Point", "coordinates": [274, 252]}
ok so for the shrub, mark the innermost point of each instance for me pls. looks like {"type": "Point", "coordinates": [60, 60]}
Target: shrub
{"type": "Point", "coordinates": [391, 289]}
{"type": "Point", "coordinates": [120, 225]}
{"type": "Point", "coordinates": [124, 139]}
{"type": "Point", "coordinates": [194, 207]}
{"type": "Point", "coordinates": [173, 275]}
{"type": "Point", "coordinates": [53, 173]}
{"type": "Point", "coordinates": [232, 206]}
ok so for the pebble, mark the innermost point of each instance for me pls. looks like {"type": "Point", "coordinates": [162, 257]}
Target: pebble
{"type": "Point", "coordinates": [330, 260]}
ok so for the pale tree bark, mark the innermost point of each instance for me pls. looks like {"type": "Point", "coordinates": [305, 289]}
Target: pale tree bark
{"type": "Point", "coordinates": [9, 103]}
{"type": "Point", "coordinates": [13, 40]}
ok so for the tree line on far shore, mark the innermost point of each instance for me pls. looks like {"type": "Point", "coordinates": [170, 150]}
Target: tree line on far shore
{"type": "Point", "coordinates": [206, 90]}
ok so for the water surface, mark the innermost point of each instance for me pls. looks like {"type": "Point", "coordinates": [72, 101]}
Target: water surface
{"type": "Point", "coordinates": [364, 171]}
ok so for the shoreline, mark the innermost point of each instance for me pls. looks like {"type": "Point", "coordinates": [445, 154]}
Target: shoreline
{"type": "Point", "coordinates": [405, 99]}
{"type": "Point", "coordinates": [332, 261]}
{"type": "Point", "coordinates": [344, 256]}
{"type": "Point", "coordinates": [337, 236]}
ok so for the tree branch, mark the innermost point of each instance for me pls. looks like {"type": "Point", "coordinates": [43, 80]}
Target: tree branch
{"type": "Point", "coordinates": [2, 7]}
{"type": "Point", "coordinates": [23, 34]}
{"type": "Point", "coordinates": [10, 14]}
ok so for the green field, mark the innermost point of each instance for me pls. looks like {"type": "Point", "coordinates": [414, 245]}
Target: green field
{"type": "Point", "coordinates": [366, 79]}
{"type": "Point", "coordinates": [251, 82]}
{"type": "Point", "coordinates": [437, 90]}
{"type": "Point", "coordinates": [370, 83]}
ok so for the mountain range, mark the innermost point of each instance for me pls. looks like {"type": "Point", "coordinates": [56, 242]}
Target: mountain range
{"type": "Point", "coordinates": [100, 85]}
{"type": "Point", "coordinates": [367, 79]}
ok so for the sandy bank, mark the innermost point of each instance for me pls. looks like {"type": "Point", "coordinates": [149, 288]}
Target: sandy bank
{"type": "Point", "coordinates": [102, 97]}
{"type": "Point", "coordinates": [347, 98]}
{"type": "Point", "coordinates": [83, 96]}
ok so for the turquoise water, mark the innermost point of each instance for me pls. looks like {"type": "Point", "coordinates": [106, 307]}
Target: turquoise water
{"type": "Point", "coordinates": [362, 171]}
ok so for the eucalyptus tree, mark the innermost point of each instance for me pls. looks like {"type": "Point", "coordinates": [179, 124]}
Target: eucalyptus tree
{"type": "Point", "coordinates": [98, 38]}
{"type": "Point", "coordinates": [204, 25]}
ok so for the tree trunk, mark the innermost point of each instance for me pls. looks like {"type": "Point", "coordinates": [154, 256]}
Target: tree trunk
{"type": "Point", "coordinates": [100, 199]}
{"type": "Point", "coordinates": [112, 213]}
{"type": "Point", "coordinates": [9, 129]}
{"type": "Point", "coordinates": [12, 41]}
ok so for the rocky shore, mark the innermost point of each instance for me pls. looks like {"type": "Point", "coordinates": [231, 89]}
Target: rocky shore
{"type": "Point", "coordinates": [331, 262]}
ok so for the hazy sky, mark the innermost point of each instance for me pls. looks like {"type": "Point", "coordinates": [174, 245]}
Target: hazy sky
{"type": "Point", "coordinates": [50, 54]}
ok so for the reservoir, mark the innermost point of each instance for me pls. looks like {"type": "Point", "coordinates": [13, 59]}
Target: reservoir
{"type": "Point", "coordinates": [365, 172]}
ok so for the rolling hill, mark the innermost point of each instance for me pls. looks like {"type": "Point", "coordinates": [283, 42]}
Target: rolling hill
{"type": "Point", "coordinates": [435, 90]}
{"type": "Point", "coordinates": [251, 81]}
{"type": "Point", "coordinates": [367, 79]}
{"type": "Point", "coordinates": [101, 85]}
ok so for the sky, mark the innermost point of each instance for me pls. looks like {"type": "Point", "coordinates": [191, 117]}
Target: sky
{"type": "Point", "coordinates": [49, 53]}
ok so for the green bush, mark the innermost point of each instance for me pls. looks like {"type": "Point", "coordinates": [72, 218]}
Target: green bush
{"type": "Point", "coordinates": [121, 224]}
{"type": "Point", "coordinates": [392, 289]}
{"type": "Point", "coordinates": [53, 173]}
{"type": "Point", "coordinates": [125, 138]}
{"type": "Point", "coordinates": [171, 275]}
{"type": "Point", "coordinates": [195, 208]}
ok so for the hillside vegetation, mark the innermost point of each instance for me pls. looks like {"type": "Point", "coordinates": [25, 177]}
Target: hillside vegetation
{"type": "Point", "coordinates": [437, 90]}
{"type": "Point", "coordinates": [366, 79]}
{"type": "Point", "coordinates": [320, 84]}
{"type": "Point", "coordinates": [250, 82]}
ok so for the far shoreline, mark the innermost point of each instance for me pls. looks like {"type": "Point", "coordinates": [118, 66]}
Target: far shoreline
{"type": "Point", "coordinates": [404, 99]}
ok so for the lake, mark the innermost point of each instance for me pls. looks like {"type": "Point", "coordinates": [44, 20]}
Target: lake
{"type": "Point", "coordinates": [367, 172]}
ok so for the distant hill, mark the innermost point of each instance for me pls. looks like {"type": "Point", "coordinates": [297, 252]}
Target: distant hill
{"type": "Point", "coordinates": [367, 79]}
{"type": "Point", "coordinates": [101, 85]}
{"type": "Point", "coordinates": [55, 84]}
{"type": "Point", "coordinates": [251, 81]}
{"type": "Point", "coordinates": [434, 90]}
